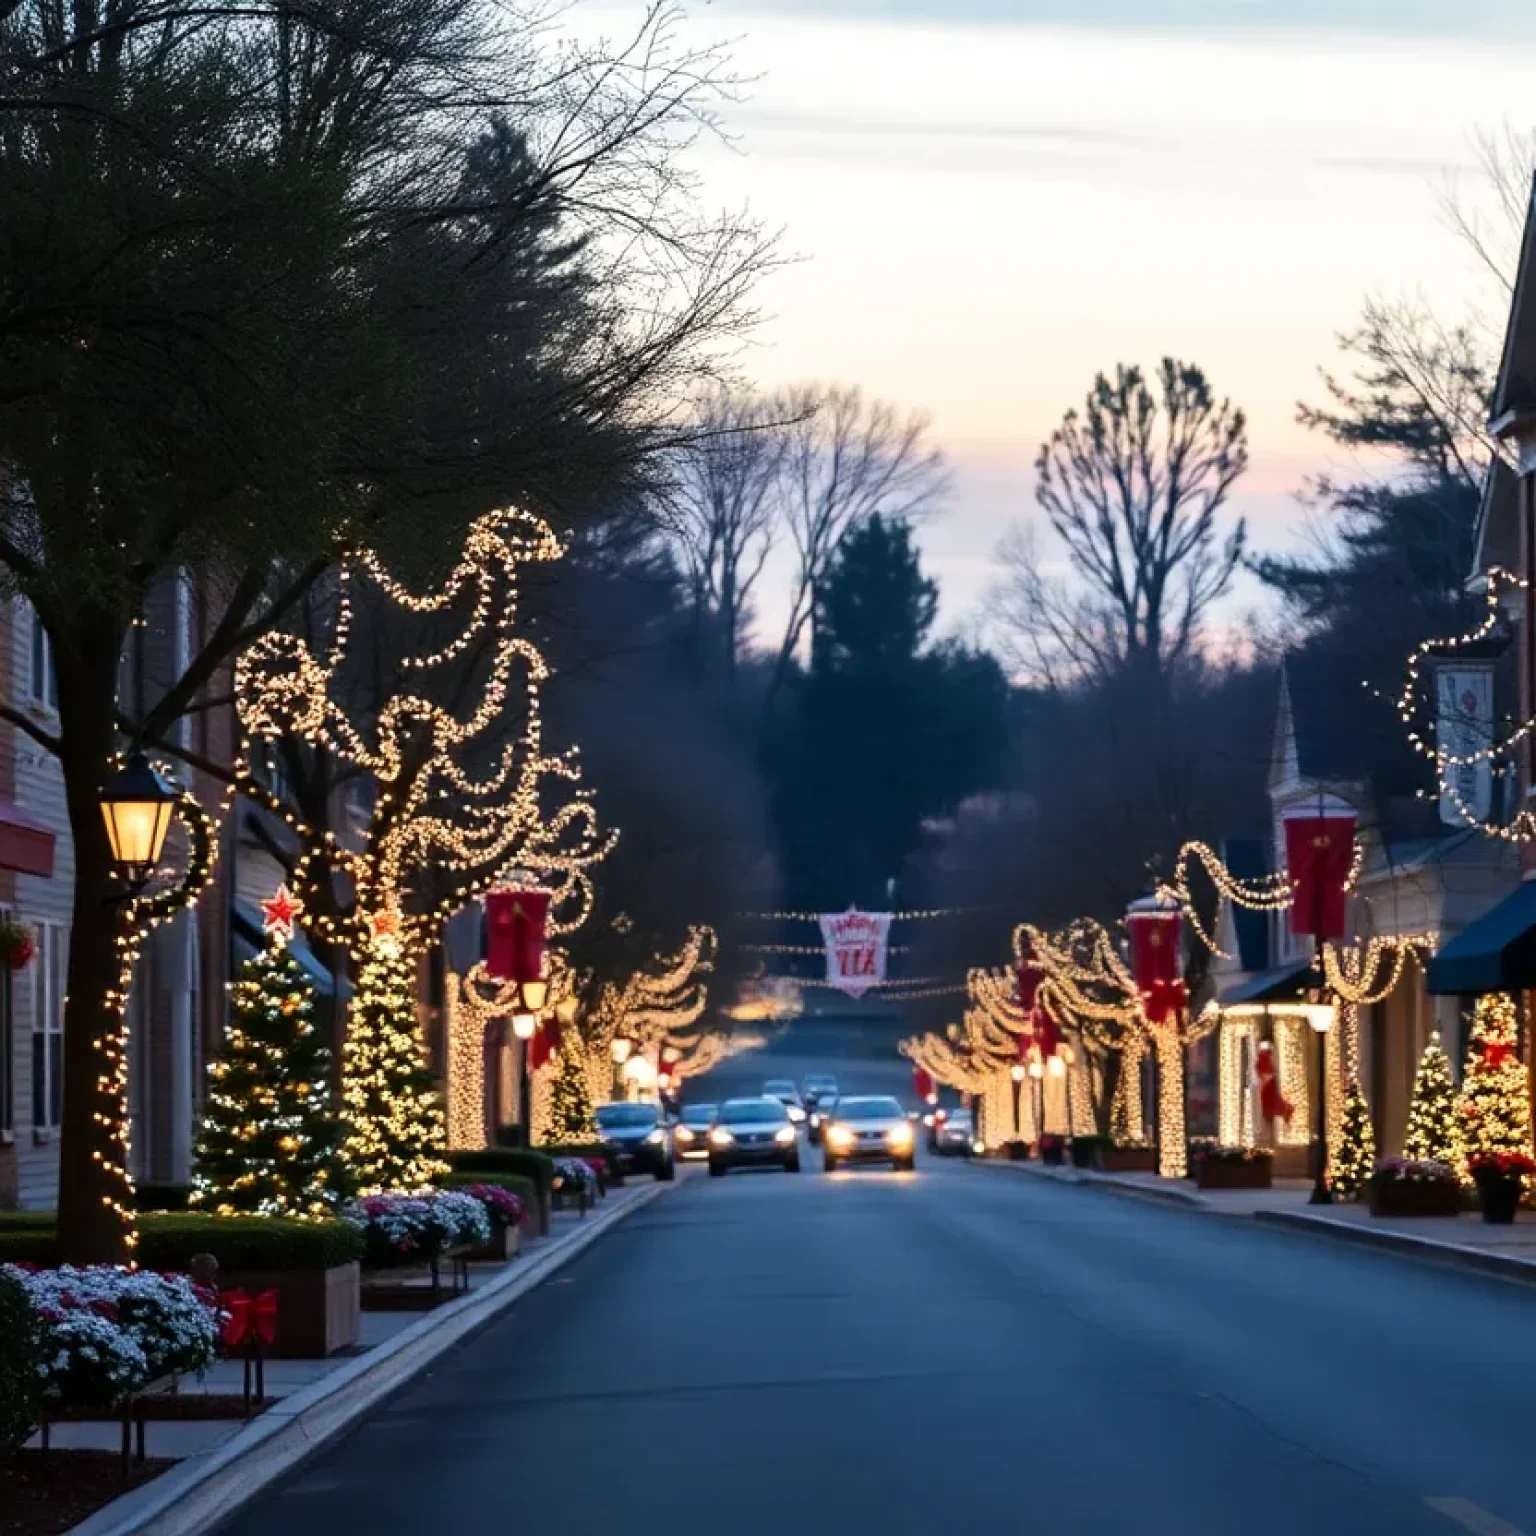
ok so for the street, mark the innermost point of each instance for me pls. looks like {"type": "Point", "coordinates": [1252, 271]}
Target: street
{"type": "Point", "coordinates": [963, 1349]}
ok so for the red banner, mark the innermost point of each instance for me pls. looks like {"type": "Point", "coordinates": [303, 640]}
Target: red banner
{"type": "Point", "coordinates": [1319, 852]}
{"type": "Point", "coordinates": [1157, 933]}
{"type": "Point", "coordinates": [922, 1083]}
{"type": "Point", "coordinates": [544, 1044]}
{"type": "Point", "coordinates": [514, 933]}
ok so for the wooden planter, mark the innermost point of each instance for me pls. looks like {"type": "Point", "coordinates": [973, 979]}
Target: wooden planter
{"type": "Point", "coordinates": [1217, 1173]}
{"type": "Point", "coordinates": [1414, 1197]}
{"type": "Point", "coordinates": [501, 1248]}
{"type": "Point", "coordinates": [1129, 1160]}
{"type": "Point", "coordinates": [318, 1310]}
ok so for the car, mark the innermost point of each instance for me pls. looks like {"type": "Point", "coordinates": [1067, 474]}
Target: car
{"type": "Point", "coordinates": [872, 1129]}
{"type": "Point", "coordinates": [690, 1136]}
{"type": "Point", "coordinates": [820, 1113]}
{"type": "Point", "coordinates": [816, 1087]}
{"type": "Point", "coordinates": [753, 1133]}
{"type": "Point", "coordinates": [637, 1138]}
{"type": "Point", "coordinates": [955, 1135]}
{"type": "Point", "coordinates": [783, 1089]}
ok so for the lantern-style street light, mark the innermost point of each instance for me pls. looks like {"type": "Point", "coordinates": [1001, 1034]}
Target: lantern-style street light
{"type": "Point", "coordinates": [136, 804]}
{"type": "Point", "coordinates": [1016, 1073]}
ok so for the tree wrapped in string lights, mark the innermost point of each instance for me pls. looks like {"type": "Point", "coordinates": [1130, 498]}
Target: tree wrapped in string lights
{"type": "Point", "coordinates": [464, 790]}
{"type": "Point", "coordinates": [1495, 1106]}
{"type": "Point", "coordinates": [1353, 1151]}
{"type": "Point", "coordinates": [1434, 1126]}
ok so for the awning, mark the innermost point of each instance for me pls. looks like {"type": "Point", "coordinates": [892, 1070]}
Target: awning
{"type": "Point", "coordinates": [1284, 984]}
{"type": "Point", "coordinates": [1497, 953]}
{"type": "Point", "coordinates": [26, 845]}
{"type": "Point", "coordinates": [251, 939]}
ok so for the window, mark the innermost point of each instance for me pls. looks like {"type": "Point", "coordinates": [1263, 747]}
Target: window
{"type": "Point", "coordinates": [49, 967]}
{"type": "Point", "coordinates": [42, 679]}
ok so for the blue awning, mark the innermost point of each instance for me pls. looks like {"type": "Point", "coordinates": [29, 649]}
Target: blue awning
{"type": "Point", "coordinates": [1497, 953]}
{"type": "Point", "coordinates": [1284, 984]}
{"type": "Point", "coordinates": [251, 939]}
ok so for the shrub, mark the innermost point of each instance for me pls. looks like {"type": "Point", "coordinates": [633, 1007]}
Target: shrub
{"type": "Point", "coordinates": [525, 1189]}
{"type": "Point", "coordinates": [28, 1221]}
{"type": "Point", "coordinates": [406, 1228]}
{"type": "Point", "coordinates": [171, 1241]}
{"type": "Point", "coordinates": [538, 1166]}
{"type": "Point", "coordinates": [1414, 1170]}
{"type": "Point", "coordinates": [161, 1197]}
{"type": "Point", "coordinates": [27, 1246]}
{"type": "Point", "coordinates": [20, 1364]}
{"type": "Point", "coordinates": [1219, 1154]}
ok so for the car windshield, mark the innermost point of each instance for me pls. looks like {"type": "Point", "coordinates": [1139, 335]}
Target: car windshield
{"type": "Point", "coordinates": [780, 1089]}
{"type": "Point", "coordinates": [960, 1119]}
{"type": "Point", "coordinates": [616, 1116]}
{"type": "Point", "coordinates": [698, 1114]}
{"type": "Point", "coordinates": [869, 1109]}
{"type": "Point", "coordinates": [752, 1112]}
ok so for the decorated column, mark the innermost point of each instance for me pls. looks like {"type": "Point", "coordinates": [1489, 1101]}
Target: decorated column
{"type": "Point", "coordinates": [1156, 928]}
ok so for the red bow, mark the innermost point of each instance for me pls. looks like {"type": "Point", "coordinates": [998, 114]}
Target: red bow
{"type": "Point", "coordinates": [1272, 1102]}
{"type": "Point", "coordinates": [249, 1317]}
{"type": "Point", "coordinates": [1162, 999]}
{"type": "Point", "coordinates": [1497, 1052]}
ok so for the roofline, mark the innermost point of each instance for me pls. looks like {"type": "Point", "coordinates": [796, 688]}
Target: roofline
{"type": "Point", "coordinates": [1522, 271]}
{"type": "Point", "coordinates": [1507, 424]}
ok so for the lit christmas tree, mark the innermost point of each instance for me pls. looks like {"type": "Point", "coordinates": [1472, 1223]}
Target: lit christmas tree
{"type": "Point", "coordinates": [1354, 1159]}
{"type": "Point", "coordinates": [1495, 1111]}
{"type": "Point", "coordinates": [1434, 1126]}
{"type": "Point", "coordinates": [395, 1128]}
{"type": "Point", "coordinates": [570, 1102]}
{"type": "Point", "coordinates": [268, 1139]}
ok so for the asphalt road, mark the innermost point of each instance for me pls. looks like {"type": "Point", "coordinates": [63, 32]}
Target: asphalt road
{"type": "Point", "coordinates": [961, 1350]}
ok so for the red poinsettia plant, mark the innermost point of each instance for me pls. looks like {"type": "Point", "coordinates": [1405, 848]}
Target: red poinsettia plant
{"type": "Point", "coordinates": [16, 944]}
{"type": "Point", "coordinates": [1502, 1165]}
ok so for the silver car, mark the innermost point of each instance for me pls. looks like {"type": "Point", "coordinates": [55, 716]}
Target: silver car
{"type": "Point", "coordinates": [868, 1130]}
{"type": "Point", "coordinates": [753, 1133]}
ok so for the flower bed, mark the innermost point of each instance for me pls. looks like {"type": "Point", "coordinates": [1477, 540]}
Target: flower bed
{"type": "Point", "coordinates": [1501, 1179]}
{"type": "Point", "coordinates": [107, 1332]}
{"type": "Point", "coordinates": [1407, 1186]}
{"type": "Point", "coordinates": [507, 1214]}
{"type": "Point", "coordinates": [1235, 1168]}
{"type": "Point", "coordinates": [410, 1229]}
{"type": "Point", "coordinates": [575, 1180]}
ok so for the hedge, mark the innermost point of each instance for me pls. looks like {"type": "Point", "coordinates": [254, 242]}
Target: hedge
{"type": "Point", "coordinates": [20, 1343]}
{"type": "Point", "coordinates": [171, 1240]}
{"type": "Point", "coordinates": [530, 1165]}
{"type": "Point", "coordinates": [525, 1189]}
{"type": "Point", "coordinates": [27, 1246]}
{"type": "Point", "coordinates": [161, 1197]}
{"type": "Point", "coordinates": [27, 1221]}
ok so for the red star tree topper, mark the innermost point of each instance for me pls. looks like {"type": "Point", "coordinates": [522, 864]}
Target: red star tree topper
{"type": "Point", "coordinates": [279, 913]}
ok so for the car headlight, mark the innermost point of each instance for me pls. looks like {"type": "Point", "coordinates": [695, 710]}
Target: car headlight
{"type": "Point", "coordinates": [784, 1135]}
{"type": "Point", "coordinates": [979, 1147]}
{"type": "Point", "coordinates": [683, 1133]}
{"type": "Point", "coordinates": [796, 1113]}
{"type": "Point", "coordinates": [899, 1135]}
{"type": "Point", "coordinates": [839, 1136]}
{"type": "Point", "coordinates": [720, 1137]}
{"type": "Point", "coordinates": [815, 1119]}
{"type": "Point", "coordinates": [928, 1121]}
{"type": "Point", "coordinates": [657, 1137]}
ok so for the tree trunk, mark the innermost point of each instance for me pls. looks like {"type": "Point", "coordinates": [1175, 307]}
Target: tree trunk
{"type": "Point", "coordinates": [94, 1141]}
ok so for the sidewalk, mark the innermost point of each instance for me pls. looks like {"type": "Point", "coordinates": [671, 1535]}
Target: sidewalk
{"type": "Point", "coordinates": [222, 1463]}
{"type": "Point", "coordinates": [1465, 1241]}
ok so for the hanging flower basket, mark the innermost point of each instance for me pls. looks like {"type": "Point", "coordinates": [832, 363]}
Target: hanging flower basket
{"type": "Point", "coordinates": [16, 944]}
{"type": "Point", "coordinates": [1501, 1181]}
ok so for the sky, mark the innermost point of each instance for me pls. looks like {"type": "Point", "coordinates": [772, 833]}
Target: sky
{"type": "Point", "coordinates": [988, 201]}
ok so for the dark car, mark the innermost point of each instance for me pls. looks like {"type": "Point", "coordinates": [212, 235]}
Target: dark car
{"type": "Point", "coordinates": [869, 1130]}
{"type": "Point", "coordinates": [817, 1087]}
{"type": "Point", "coordinates": [753, 1133]}
{"type": "Point", "coordinates": [816, 1121]}
{"type": "Point", "coordinates": [955, 1135]}
{"type": "Point", "coordinates": [637, 1138]}
{"type": "Point", "coordinates": [690, 1136]}
{"type": "Point", "coordinates": [783, 1089]}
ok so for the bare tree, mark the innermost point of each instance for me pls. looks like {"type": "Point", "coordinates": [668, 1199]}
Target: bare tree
{"type": "Point", "coordinates": [1133, 487]}
{"type": "Point", "coordinates": [845, 459]}
{"type": "Point", "coordinates": [724, 512]}
{"type": "Point", "coordinates": [1493, 224]}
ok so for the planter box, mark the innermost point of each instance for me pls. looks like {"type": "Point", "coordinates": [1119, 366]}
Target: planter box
{"type": "Point", "coordinates": [1129, 1160]}
{"type": "Point", "coordinates": [501, 1248]}
{"type": "Point", "coordinates": [1085, 1152]}
{"type": "Point", "coordinates": [318, 1310]}
{"type": "Point", "coordinates": [1409, 1197]}
{"type": "Point", "coordinates": [1214, 1173]}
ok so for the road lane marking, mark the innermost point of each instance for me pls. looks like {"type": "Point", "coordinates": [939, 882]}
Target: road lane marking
{"type": "Point", "coordinates": [1471, 1517]}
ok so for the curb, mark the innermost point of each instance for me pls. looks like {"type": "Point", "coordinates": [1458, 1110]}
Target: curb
{"type": "Point", "coordinates": [207, 1488]}
{"type": "Point", "coordinates": [1427, 1250]}
{"type": "Point", "coordinates": [1110, 1183]}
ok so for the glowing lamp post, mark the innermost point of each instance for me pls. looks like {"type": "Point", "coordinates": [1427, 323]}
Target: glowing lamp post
{"type": "Point", "coordinates": [137, 804]}
{"type": "Point", "coordinates": [514, 951]}
{"type": "Point", "coordinates": [619, 1048]}
{"type": "Point", "coordinates": [1017, 1074]}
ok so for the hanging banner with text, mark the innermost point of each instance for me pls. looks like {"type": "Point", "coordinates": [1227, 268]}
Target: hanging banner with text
{"type": "Point", "coordinates": [857, 945]}
{"type": "Point", "coordinates": [1464, 728]}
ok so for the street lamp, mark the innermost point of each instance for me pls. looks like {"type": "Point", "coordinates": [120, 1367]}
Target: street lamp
{"type": "Point", "coordinates": [1016, 1072]}
{"type": "Point", "coordinates": [136, 804]}
{"type": "Point", "coordinates": [619, 1049]}
{"type": "Point", "coordinates": [1320, 1017]}
{"type": "Point", "coordinates": [1037, 1076]}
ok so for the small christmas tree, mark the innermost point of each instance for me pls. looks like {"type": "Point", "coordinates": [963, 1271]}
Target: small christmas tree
{"type": "Point", "coordinates": [1354, 1159]}
{"type": "Point", "coordinates": [396, 1131]}
{"type": "Point", "coordinates": [1495, 1111]}
{"type": "Point", "coordinates": [267, 1144]}
{"type": "Point", "coordinates": [1434, 1126]}
{"type": "Point", "coordinates": [570, 1102]}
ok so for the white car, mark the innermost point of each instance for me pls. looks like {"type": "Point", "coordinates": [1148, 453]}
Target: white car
{"type": "Point", "coordinates": [869, 1130]}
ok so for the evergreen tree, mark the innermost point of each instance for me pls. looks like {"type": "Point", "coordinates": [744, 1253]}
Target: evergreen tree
{"type": "Point", "coordinates": [1354, 1159]}
{"type": "Point", "coordinates": [396, 1132]}
{"type": "Point", "coordinates": [1434, 1128]}
{"type": "Point", "coordinates": [570, 1101]}
{"type": "Point", "coordinates": [1495, 1108]}
{"type": "Point", "coordinates": [269, 1136]}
